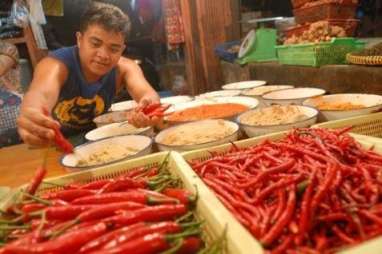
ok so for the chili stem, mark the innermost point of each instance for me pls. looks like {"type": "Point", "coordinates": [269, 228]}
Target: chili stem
{"type": "Point", "coordinates": [40, 200]}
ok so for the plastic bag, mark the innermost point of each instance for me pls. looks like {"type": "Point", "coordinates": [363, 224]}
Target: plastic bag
{"type": "Point", "coordinates": [19, 13]}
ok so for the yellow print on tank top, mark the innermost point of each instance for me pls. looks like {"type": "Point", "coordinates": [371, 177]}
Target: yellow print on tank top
{"type": "Point", "coordinates": [79, 111]}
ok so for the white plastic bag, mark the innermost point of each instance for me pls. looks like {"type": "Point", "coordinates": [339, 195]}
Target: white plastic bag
{"type": "Point", "coordinates": [19, 14]}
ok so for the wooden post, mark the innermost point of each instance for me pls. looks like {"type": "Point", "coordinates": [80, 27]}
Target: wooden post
{"type": "Point", "coordinates": [206, 24]}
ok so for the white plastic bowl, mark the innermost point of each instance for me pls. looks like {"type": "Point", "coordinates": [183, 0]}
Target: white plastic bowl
{"type": "Point", "coordinates": [128, 105]}
{"type": "Point", "coordinates": [257, 130]}
{"type": "Point", "coordinates": [117, 129]}
{"type": "Point", "coordinates": [111, 117]}
{"type": "Point", "coordinates": [193, 126]}
{"type": "Point", "coordinates": [258, 92]}
{"type": "Point", "coordinates": [123, 105]}
{"type": "Point", "coordinates": [244, 85]}
{"type": "Point", "coordinates": [219, 93]}
{"type": "Point", "coordinates": [176, 99]}
{"type": "Point", "coordinates": [372, 103]}
{"type": "Point", "coordinates": [292, 96]}
{"type": "Point", "coordinates": [243, 100]}
{"type": "Point", "coordinates": [142, 144]}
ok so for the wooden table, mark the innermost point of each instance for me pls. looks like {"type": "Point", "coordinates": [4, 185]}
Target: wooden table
{"type": "Point", "coordinates": [18, 164]}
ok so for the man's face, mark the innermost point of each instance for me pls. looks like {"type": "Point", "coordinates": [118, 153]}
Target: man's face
{"type": "Point", "coordinates": [99, 49]}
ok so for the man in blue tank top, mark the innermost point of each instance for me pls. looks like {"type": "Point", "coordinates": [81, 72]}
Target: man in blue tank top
{"type": "Point", "coordinates": [73, 85]}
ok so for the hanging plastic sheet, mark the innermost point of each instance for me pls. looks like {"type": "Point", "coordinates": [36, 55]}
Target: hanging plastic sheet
{"type": "Point", "coordinates": [36, 19]}
{"type": "Point", "coordinates": [19, 13]}
{"type": "Point", "coordinates": [36, 11]}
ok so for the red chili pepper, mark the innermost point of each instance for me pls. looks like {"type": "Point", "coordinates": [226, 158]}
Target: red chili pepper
{"type": "Point", "coordinates": [219, 190]}
{"type": "Point", "coordinates": [191, 245]}
{"type": "Point", "coordinates": [99, 242]}
{"type": "Point", "coordinates": [324, 187]}
{"type": "Point", "coordinates": [342, 235]}
{"type": "Point", "coordinates": [148, 108]}
{"type": "Point", "coordinates": [65, 212]}
{"type": "Point", "coordinates": [37, 223]}
{"type": "Point", "coordinates": [280, 207]}
{"type": "Point", "coordinates": [285, 166]}
{"type": "Point", "coordinates": [153, 213]}
{"type": "Point", "coordinates": [95, 185]}
{"type": "Point", "coordinates": [154, 109]}
{"type": "Point", "coordinates": [149, 173]}
{"type": "Point", "coordinates": [158, 111]}
{"type": "Point", "coordinates": [237, 215]}
{"type": "Point", "coordinates": [68, 195]}
{"type": "Point", "coordinates": [270, 189]}
{"type": "Point", "coordinates": [29, 238]}
{"type": "Point", "coordinates": [284, 220]}
{"type": "Point", "coordinates": [370, 216]}
{"type": "Point", "coordinates": [62, 142]}
{"type": "Point", "coordinates": [37, 179]}
{"type": "Point", "coordinates": [67, 243]}
{"type": "Point", "coordinates": [131, 195]}
{"type": "Point", "coordinates": [153, 243]}
{"type": "Point", "coordinates": [28, 208]}
{"type": "Point", "coordinates": [184, 196]}
{"type": "Point", "coordinates": [100, 212]}
{"type": "Point", "coordinates": [167, 227]}
{"type": "Point", "coordinates": [33, 207]}
{"type": "Point", "coordinates": [122, 184]}
{"type": "Point", "coordinates": [132, 173]}
{"type": "Point", "coordinates": [284, 245]}
{"type": "Point", "coordinates": [305, 214]}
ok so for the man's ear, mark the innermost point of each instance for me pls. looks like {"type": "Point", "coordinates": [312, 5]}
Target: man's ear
{"type": "Point", "coordinates": [79, 38]}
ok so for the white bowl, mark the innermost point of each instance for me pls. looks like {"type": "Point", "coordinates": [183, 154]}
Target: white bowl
{"type": "Point", "coordinates": [257, 130]}
{"type": "Point", "coordinates": [123, 105]}
{"type": "Point", "coordinates": [242, 100]}
{"type": "Point", "coordinates": [292, 96]}
{"type": "Point", "coordinates": [176, 99]}
{"type": "Point", "coordinates": [205, 127]}
{"type": "Point", "coordinates": [128, 105]}
{"type": "Point", "coordinates": [111, 117]}
{"type": "Point", "coordinates": [219, 93]}
{"type": "Point", "coordinates": [244, 85]}
{"type": "Point", "coordinates": [142, 145]}
{"type": "Point", "coordinates": [258, 92]}
{"type": "Point", "coordinates": [372, 103]}
{"type": "Point", "coordinates": [117, 129]}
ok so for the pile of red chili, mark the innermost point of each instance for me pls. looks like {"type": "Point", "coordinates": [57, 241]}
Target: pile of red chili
{"type": "Point", "coordinates": [314, 191]}
{"type": "Point", "coordinates": [141, 211]}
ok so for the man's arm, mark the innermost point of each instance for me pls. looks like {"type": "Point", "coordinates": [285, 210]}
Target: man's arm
{"type": "Point", "coordinates": [135, 82]}
{"type": "Point", "coordinates": [34, 123]}
{"type": "Point", "coordinates": [140, 90]}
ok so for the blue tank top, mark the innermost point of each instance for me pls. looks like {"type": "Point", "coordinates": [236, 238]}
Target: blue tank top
{"type": "Point", "coordinates": [79, 101]}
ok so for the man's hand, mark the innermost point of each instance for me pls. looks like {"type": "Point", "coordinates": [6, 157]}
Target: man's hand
{"type": "Point", "coordinates": [35, 127]}
{"type": "Point", "coordinates": [139, 119]}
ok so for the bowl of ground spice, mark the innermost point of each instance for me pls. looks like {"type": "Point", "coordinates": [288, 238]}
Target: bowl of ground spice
{"type": "Point", "coordinates": [212, 108]}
